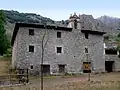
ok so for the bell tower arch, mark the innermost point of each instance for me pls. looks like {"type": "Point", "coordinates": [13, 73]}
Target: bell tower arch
{"type": "Point", "coordinates": [74, 21]}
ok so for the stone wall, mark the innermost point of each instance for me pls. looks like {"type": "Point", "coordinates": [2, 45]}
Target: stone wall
{"type": "Point", "coordinates": [73, 54]}
{"type": "Point", "coordinates": [116, 64]}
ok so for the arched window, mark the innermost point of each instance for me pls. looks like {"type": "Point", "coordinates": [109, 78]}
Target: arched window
{"type": "Point", "coordinates": [75, 24]}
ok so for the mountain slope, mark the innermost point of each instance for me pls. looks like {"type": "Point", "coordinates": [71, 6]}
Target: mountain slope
{"type": "Point", "coordinates": [112, 22]}
{"type": "Point", "coordinates": [104, 23]}
{"type": "Point", "coordinates": [13, 17]}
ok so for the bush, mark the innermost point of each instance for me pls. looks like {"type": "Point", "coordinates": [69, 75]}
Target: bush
{"type": "Point", "coordinates": [119, 35]}
{"type": "Point", "coordinates": [67, 74]}
{"type": "Point", "coordinates": [8, 53]}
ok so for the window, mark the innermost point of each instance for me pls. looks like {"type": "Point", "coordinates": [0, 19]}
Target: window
{"type": "Point", "coordinates": [111, 51]}
{"type": "Point", "coordinates": [86, 50]}
{"type": "Point", "coordinates": [86, 35]}
{"type": "Point", "coordinates": [31, 48]}
{"type": "Point", "coordinates": [31, 66]}
{"type": "Point", "coordinates": [31, 31]}
{"type": "Point", "coordinates": [58, 34]}
{"type": "Point", "coordinates": [59, 49]}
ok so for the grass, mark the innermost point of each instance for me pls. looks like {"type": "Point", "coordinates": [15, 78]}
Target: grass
{"type": "Point", "coordinates": [71, 86]}
{"type": "Point", "coordinates": [4, 65]}
{"type": "Point", "coordinates": [45, 77]}
{"type": "Point", "coordinates": [109, 81]}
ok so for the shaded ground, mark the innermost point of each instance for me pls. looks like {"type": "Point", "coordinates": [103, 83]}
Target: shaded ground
{"type": "Point", "coordinates": [82, 78]}
{"type": "Point", "coordinates": [4, 65]}
{"type": "Point", "coordinates": [107, 81]}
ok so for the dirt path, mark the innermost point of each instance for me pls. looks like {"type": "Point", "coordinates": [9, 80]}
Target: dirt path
{"type": "Point", "coordinates": [61, 80]}
{"type": "Point", "coordinates": [75, 83]}
{"type": "Point", "coordinates": [83, 78]}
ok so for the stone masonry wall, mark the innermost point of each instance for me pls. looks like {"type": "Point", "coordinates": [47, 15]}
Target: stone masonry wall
{"type": "Point", "coordinates": [116, 64]}
{"type": "Point", "coordinates": [73, 54]}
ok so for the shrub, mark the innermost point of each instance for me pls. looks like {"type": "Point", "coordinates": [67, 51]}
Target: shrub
{"type": "Point", "coordinates": [119, 35]}
{"type": "Point", "coordinates": [8, 53]}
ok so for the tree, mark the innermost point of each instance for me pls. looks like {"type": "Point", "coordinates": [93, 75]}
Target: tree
{"type": "Point", "coordinates": [45, 38]}
{"type": "Point", "coordinates": [4, 43]}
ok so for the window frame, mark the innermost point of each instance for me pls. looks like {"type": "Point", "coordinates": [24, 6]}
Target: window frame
{"type": "Point", "coordinates": [111, 51]}
{"type": "Point", "coordinates": [31, 32]}
{"type": "Point", "coordinates": [31, 65]}
{"type": "Point", "coordinates": [59, 49]}
{"type": "Point", "coordinates": [33, 48]}
{"type": "Point", "coordinates": [58, 34]}
{"type": "Point", "coordinates": [86, 50]}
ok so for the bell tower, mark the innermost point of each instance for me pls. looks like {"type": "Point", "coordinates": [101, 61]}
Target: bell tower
{"type": "Point", "coordinates": [74, 21]}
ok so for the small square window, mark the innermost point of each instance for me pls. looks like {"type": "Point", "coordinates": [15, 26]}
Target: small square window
{"type": "Point", "coordinates": [31, 31]}
{"type": "Point", "coordinates": [31, 48]}
{"type": "Point", "coordinates": [59, 49]}
{"type": "Point", "coordinates": [58, 34]}
{"type": "Point", "coordinates": [86, 50]}
{"type": "Point", "coordinates": [31, 66]}
{"type": "Point", "coordinates": [86, 35]}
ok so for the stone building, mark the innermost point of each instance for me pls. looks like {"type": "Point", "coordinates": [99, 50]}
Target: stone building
{"type": "Point", "coordinates": [72, 49]}
{"type": "Point", "coordinates": [112, 57]}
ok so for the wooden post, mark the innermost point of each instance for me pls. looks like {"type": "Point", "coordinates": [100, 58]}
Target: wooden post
{"type": "Point", "coordinates": [88, 76]}
{"type": "Point", "coordinates": [27, 77]}
{"type": "Point", "coordinates": [10, 75]}
{"type": "Point", "coordinates": [90, 67]}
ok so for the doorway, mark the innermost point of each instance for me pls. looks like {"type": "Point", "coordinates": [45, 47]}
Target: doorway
{"type": "Point", "coordinates": [109, 66]}
{"type": "Point", "coordinates": [61, 68]}
{"type": "Point", "coordinates": [86, 67]}
{"type": "Point", "coordinates": [46, 69]}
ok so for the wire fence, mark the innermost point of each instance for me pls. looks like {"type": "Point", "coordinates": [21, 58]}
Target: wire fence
{"type": "Point", "coordinates": [15, 76]}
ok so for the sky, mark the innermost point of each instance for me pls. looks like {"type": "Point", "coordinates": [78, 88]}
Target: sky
{"type": "Point", "coordinates": [61, 9]}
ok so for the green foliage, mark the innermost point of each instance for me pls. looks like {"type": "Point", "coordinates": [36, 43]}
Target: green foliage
{"type": "Point", "coordinates": [67, 74]}
{"type": "Point", "coordinates": [117, 39]}
{"type": "Point", "coordinates": [118, 35]}
{"type": "Point", "coordinates": [8, 53]}
{"type": "Point", "coordinates": [106, 37]}
{"type": "Point", "coordinates": [14, 16]}
{"type": "Point", "coordinates": [4, 43]}
{"type": "Point", "coordinates": [118, 47]}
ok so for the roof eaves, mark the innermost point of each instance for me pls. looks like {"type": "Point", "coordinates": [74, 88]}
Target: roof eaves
{"type": "Point", "coordinates": [93, 32]}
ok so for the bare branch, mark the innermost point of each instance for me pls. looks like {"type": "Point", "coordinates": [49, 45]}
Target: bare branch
{"type": "Point", "coordinates": [43, 38]}
{"type": "Point", "coordinates": [46, 40]}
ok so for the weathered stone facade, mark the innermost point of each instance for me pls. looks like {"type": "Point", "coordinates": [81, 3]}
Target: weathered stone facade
{"type": "Point", "coordinates": [73, 54]}
{"type": "Point", "coordinates": [116, 61]}
{"type": "Point", "coordinates": [73, 45]}
{"type": "Point", "coordinates": [113, 57]}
